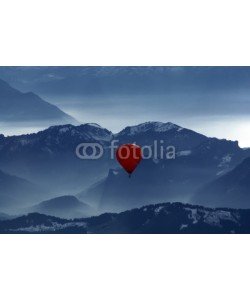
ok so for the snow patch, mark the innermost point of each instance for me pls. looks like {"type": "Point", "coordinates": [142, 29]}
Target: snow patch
{"type": "Point", "coordinates": [158, 209]}
{"type": "Point", "coordinates": [151, 126]}
{"type": "Point", "coordinates": [63, 130]}
{"type": "Point", "coordinates": [184, 153]}
{"type": "Point", "coordinates": [54, 227]}
{"type": "Point", "coordinates": [193, 215]}
{"type": "Point", "coordinates": [225, 161]}
{"type": "Point", "coordinates": [183, 226]}
{"type": "Point", "coordinates": [214, 218]}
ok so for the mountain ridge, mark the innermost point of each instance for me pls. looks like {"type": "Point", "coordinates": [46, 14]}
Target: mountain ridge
{"type": "Point", "coordinates": [14, 190]}
{"type": "Point", "coordinates": [161, 218]}
{"type": "Point", "coordinates": [49, 158]}
{"type": "Point", "coordinates": [17, 106]}
{"type": "Point", "coordinates": [62, 207]}
{"type": "Point", "coordinates": [94, 80]}
{"type": "Point", "coordinates": [231, 189]}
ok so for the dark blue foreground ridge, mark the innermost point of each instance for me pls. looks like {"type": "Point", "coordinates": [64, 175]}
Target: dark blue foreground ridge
{"type": "Point", "coordinates": [168, 218]}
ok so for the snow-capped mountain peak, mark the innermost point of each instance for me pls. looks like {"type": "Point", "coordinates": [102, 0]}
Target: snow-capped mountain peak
{"type": "Point", "coordinates": [150, 126]}
{"type": "Point", "coordinates": [95, 131]}
{"type": "Point", "coordinates": [85, 131]}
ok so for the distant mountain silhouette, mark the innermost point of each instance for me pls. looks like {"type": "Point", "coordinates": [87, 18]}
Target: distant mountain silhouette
{"type": "Point", "coordinates": [64, 207]}
{"type": "Point", "coordinates": [162, 218]}
{"type": "Point", "coordinates": [4, 216]}
{"type": "Point", "coordinates": [124, 80]}
{"type": "Point", "coordinates": [39, 223]}
{"type": "Point", "coordinates": [49, 157]}
{"type": "Point", "coordinates": [16, 106]}
{"type": "Point", "coordinates": [230, 190]}
{"type": "Point", "coordinates": [16, 192]}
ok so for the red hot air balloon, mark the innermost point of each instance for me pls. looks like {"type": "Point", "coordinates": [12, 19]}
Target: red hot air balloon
{"type": "Point", "coordinates": [129, 156]}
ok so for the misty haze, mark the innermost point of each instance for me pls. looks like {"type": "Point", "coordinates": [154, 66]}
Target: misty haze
{"type": "Point", "coordinates": [46, 112]}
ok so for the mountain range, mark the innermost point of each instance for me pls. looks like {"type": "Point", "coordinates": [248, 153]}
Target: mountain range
{"type": "Point", "coordinates": [198, 160]}
{"type": "Point", "coordinates": [16, 106]}
{"type": "Point", "coordinates": [48, 160]}
{"type": "Point", "coordinates": [63, 207]}
{"type": "Point", "coordinates": [16, 192]}
{"type": "Point", "coordinates": [231, 189]}
{"type": "Point", "coordinates": [45, 187]}
{"type": "Point", "coordinates": [160, 218]}
{"type": "Point", "coordinates": [123, 80]}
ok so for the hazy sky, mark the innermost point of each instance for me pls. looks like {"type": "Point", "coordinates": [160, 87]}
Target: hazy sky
{"type": "Point", "coordinates": [214, 100]}
{"type": "Point", "coordinates": [115, 117]}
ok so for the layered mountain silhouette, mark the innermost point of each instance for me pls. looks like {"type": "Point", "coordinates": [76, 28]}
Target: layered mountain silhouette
{"type": "Point", "coordinates": [16, 192]}
{"type": "Point", "coordinates": [48, 158]}
{"type": "Point", "coordinates": [160, 218]}
{"type": "Point", "coordinates": [16, 106]}
{"type": "Point", "coordinates": [4, 216]}
{"type": "Point", "coordinates": [198, 160]}
{"type": "Point", "coordinates": [63, 207]}
{"type": "Point", "coordinates": [230, 190]}
{"type": "Point", "coordinates": [125, 80]}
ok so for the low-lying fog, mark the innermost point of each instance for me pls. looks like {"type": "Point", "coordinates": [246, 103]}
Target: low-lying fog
{"type": "Point", "coordinates": [209, 117]}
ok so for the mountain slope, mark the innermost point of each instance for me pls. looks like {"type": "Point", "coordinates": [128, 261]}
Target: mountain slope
{"type": "Point", "coordinates": [230, 190]}
{"type": "Point", "coordinates": [16, 106]}
{"type": "Point", "coordinates": [38, 223]}
{"type": "Point", "coordinates": [169, 133]}
{"type": "Point", "coordinates": [4, 216]}
{"type": "Point", "coordinates": [16, 192]}
{"type": "Point", "coordinates": [153, 219]}
{"type": "Point", "coordinates": [198, 160]}
{"type": "Point", "coordinates": [49, 156]}
{"type": "Point", "coordinates": [63, 207]}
